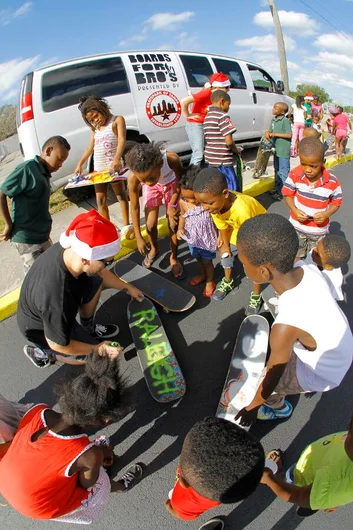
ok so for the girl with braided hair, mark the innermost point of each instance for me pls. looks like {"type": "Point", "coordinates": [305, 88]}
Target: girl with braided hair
{"type": "Point", "coordinates": [107, 143]}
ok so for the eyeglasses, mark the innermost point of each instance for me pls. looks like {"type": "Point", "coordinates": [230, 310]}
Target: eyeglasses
{"type": "Point", "coordinates": [106, 262]}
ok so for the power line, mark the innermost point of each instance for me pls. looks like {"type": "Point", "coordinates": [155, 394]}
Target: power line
{"type": "Point", "coordinates": [333, 15]}
{"type": "Point", "coordinates": [326, 20]}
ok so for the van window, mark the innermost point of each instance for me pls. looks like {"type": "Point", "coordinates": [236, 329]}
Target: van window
{"type": "Point", "coordinates": [197, 68]}
{"type": "Point", "coordinates": [232, 70]}
{"type": "Point", "coordinates": [261, 79]}
{"type": "Point", "coordinates": [63, 87]}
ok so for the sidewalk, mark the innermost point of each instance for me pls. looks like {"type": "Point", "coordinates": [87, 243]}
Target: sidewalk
{"type": "Point", "coordinates": [12, 273]}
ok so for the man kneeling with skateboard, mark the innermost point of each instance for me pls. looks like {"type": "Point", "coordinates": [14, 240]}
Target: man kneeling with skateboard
{"type": "Point", "coordinates": [67, 279]}
{"type": "Point", "coordinates": [311, 341]}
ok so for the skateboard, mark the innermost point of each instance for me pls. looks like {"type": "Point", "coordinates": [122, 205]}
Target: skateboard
{"type": "Point", "coordinates": [264, 152]}
{"type": "Point", "coordinates": [248, 361]}
{"type": "Point", "coordinates": [270, 299]}
{"type": "Point", "coordinates": [162, 291]}
{"type": "Point", "coordinates": [97, 177]}
{"type": "Point", "coordinates": [239, 167]}
{"type": "Point", "coordinates": [160, 368]}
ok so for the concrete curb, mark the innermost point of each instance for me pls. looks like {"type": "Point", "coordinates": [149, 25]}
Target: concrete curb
{"type": "Point", "coordinates": [8, 303]}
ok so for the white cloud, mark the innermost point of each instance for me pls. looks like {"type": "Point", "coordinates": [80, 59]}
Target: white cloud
{"type": "Point", "coordinates": [10, 14]}
{"type": "Point", "coordinates": [134, 38]}
{"type": "Point", "coordinates": [188, 42]}
{"type": "Point", "coordinates": [334, 60]}
{"type": "Point", "coordinates": [12, 71]}
{"type": "Point", "coordinates": [335, 42]}
{"type": "Point", "coordinates": [291, 21]}
{"type": "Point", "coordinates": [168, 21]}
{"type": "Point", "coordinates": [11, 95]}
{"type": "Point", "coordinates": [265, 43]}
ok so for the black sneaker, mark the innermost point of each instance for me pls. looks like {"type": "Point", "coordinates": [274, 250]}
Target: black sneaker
{"type": "Point", "coordinates": [105, 331]}
{"type": "Point", "coordinates": [223, 288]}
{"type": "Point", "coordinates": [306, 512]}
{"type": "Point", "coordinates": [254, 305]}
{"type": "Point", "coordinates": [131, 477]}
{"type": "Point", "coordinates": [213, 524]}
{"type": "Point", "coordinates": [37, 356]}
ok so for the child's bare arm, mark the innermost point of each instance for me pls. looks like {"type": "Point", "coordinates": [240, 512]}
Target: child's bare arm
{"type": "Point", "coordinates": [320, 217]}
{"type": "Point", "coordinates": [286, 136]}
{"type": "Point", "coordinates": [181, 221]}
{"type": "Point", "coordinates": [231, 144]}
{"type": "Point", "coordinates": [224, 240]}
{"type": "Point", "coordinates": [86, 155]}
{"type": "Point", "coordinates": [133, 186]}
{"type": "Point", "coordinates": [119, 129]}
{"type": "Point", "coordinates": [285, 491]}
{"type": "Point", "coordinates": [5, 214]}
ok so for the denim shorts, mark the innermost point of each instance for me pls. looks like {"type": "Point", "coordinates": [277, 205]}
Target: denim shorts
{"type": "Point", "coordinates": [201, 253]}
{"type": "Point", "coordinates": [227, 263]}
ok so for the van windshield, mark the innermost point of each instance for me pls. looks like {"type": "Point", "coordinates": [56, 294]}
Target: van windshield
{"type": "Point", "coordinates": [63, 87]}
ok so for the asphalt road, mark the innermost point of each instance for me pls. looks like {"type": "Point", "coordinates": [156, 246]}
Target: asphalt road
{"type": "Point", "coordinates": [202, 339]}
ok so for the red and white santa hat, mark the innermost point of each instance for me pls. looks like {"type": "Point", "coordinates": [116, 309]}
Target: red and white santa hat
{"type": "Point", "coordinates": [91, 236]}
{"type": "Point", "coordinates": [219, 80]}
{"type": "Point", "coordinates": [309, 96]}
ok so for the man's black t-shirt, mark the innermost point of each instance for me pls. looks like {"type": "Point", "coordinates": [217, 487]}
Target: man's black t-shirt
{"type": "Point", "coordinates": [50, 298]}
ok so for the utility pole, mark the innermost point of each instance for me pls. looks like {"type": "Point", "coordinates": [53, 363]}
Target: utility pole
{"type": "Point", "coordinates": [281, 46]}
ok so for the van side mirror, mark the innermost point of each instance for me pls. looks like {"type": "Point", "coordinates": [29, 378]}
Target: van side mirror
{"type": "Point", "coordinates": [280, 86]}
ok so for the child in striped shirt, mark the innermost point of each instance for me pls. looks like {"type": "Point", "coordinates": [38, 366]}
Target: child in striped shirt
{"type": "Point", "coordinates": [220, 146]}
{"type": "Point", "coordinates": [197, 228]}
{"type": "Point", "coordinates": [312, 195]}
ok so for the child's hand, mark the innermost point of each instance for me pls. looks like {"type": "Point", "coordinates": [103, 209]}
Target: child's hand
{"type": "Point", "coordinates": [268, 135]}
{"type": "Point", "coordinates": [180, 233]}
{"type": "Point", "coordinates": [320, 217]}
{"type": "Point", "coordinates": [116, 166]}
{"type": "Point", "coordinates": [194, 116]}
{"type": "Point", "coordinates": [78, 170]}
{"type": "Point", "coordinates": [300, 215]}
{"type": "Point", "coordinates": [219, 241]}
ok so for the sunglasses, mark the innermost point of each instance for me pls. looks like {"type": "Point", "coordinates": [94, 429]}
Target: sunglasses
{"type": "Point", "coordinates": [106, 262]}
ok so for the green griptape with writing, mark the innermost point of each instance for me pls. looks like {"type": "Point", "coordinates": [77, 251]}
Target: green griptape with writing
{"type": "Point", "coordinates": [168, 294]}
{"type": "Point", "coordinates": [160, 367]}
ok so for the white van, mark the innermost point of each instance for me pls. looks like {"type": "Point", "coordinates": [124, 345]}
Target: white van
{"type": "Point", "coordinates": [146, 88]}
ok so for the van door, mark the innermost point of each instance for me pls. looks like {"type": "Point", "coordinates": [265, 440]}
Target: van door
{"type": "Point", "coordinates": [265, 91]}
{"type": "Point", "coordinates": [158, 85]}
{"type": "Point", "coordinates": [57, 92]}
{"type": "Point", "coordinates": [243, 108]}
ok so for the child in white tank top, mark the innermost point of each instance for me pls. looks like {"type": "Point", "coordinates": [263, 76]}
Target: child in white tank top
{"type": "Point", "coordinates": [107, 144]}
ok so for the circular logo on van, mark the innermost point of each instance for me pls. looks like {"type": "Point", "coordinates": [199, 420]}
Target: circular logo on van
{"type": "Point", "coordinates": [163, 108]}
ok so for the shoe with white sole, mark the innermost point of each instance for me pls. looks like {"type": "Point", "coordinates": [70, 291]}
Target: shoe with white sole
{"type": "Point", "coordinates": [267, 413]}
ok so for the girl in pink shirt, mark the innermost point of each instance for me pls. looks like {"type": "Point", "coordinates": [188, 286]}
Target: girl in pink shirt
{"type": "Point", "coordinates": [340, 131]}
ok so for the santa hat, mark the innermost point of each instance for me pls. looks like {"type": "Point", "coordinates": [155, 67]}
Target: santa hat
{"type": "Point", "coordinates": [91, 236]}
{"type": "Point", "coordinates": [309, 96]}
{"type": "Point", "coordinates": [219, 80]}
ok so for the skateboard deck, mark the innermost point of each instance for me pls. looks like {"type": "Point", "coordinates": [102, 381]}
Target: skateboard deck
{"type": "Point", "coordinates": [97, 177]}
{"type": "Point", "coordinates": [239, 167]}
{"type": "Point", "coordinates": [159, 365]}
{"type": "Point", "coordinates": [263, 156]}
{"type": "Point", "coordinates": [248, 361]}
{"type": "Point", "coordinates": [164, 292]}
{"type": "Point", "coordinates": [270, 299]}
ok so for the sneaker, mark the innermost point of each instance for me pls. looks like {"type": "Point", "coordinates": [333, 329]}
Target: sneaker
{"type": "Point", "coordinates": [277, 196]}
{"type": "Point", "coordinates": [37, 356]}
{"type": "Point", "coordinates": [131, 477]}
{"type": "Point", "coordinates": [254, 305]}
{"type": "Point", "coordinates": [213, 524]}
{"type": "Point", "coordinates": [105, 331]}
{"type": "Point", "coordinates": [267, 413]}
{"type": "Point", "coordinates": [223, 288]}
{"type": "Point", "coordinates": [306, 512]}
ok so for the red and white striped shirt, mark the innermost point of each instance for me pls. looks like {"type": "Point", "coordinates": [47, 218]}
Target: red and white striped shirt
{"type": "Point", "coordinates": [312, 198]}
{"type": "Point", "coordinates": [216, 126]}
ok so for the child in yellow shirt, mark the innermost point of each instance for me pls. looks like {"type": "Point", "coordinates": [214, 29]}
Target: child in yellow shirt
{"type": "Point", "coordinates": [229, 211]}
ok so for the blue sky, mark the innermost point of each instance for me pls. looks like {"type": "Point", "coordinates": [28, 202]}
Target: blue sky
{"type": "Point", "coordinates": [40, 32]}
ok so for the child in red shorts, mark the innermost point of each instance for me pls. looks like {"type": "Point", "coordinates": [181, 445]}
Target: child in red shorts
{"type": "Point", "coordinates": [159, 174]}
{"type": "Point", "coordinates": [207, 475]}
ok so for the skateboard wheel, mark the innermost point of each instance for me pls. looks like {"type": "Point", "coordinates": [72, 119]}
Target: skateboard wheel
{"type": "Point", "coordinates": [115, 344]}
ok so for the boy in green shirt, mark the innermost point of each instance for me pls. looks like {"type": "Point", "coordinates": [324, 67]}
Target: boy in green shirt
{"type": "Point", "coordinates": [229, 211]}
{"type": "Point", "coordinates": [280, 131]}
{"type": "Point", "coordinates": [322, 479]}
{"type": "Point", "coordinates": [28, 186]}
